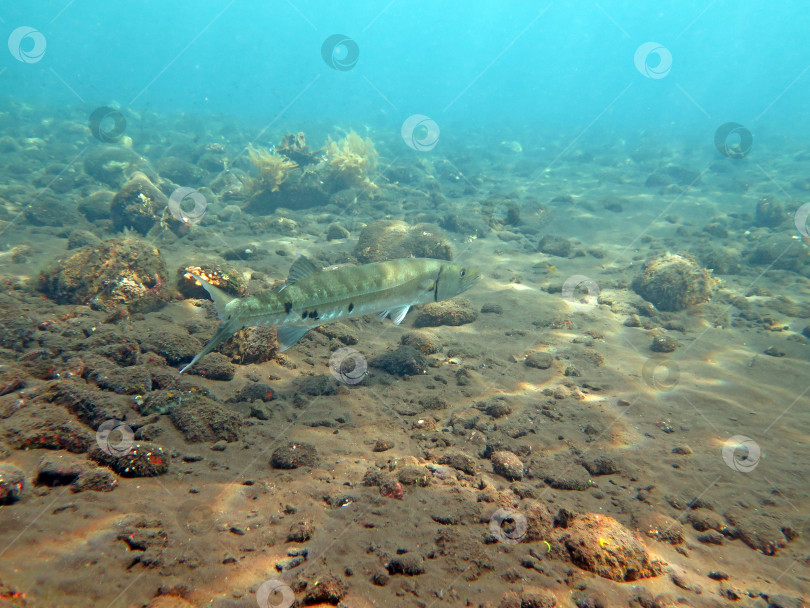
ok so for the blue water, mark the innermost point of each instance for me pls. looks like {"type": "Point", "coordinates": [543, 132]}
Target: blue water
{"type": "Point", "coordinates": [466, 65]}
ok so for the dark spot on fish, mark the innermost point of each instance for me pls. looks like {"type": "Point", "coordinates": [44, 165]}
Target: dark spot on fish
{"type": "Point", "coordinates": [287, 307]}
{"type": "Point", "coordinates": [351, 306]}
{"type": "Point", "coordinates": [313, 314]}
{"type": "Point", "coordinates": [304, 315]}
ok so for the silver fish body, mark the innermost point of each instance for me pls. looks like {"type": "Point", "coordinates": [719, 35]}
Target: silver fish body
{"type": "Point", "coordinates": [313, 297]}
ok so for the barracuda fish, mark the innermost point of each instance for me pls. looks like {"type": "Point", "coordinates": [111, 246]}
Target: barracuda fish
{"type": "Point", "coordinates": [311, 297]}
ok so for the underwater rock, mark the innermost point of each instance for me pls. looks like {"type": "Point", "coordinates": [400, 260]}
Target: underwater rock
{"type": "Point", "coordinates": [500, 212]}
{"type": "Point", "coordinates": [214, 366]}
{"type": "Point", "coordinates": [673, 282]}
{"type": "Point", "coordinates": [461, 224]}
{"type": "Point", "coordinates": [180, 172]}
{"type": "Point", "coordinates": [141, 459]}
{"type": "Point", "coordinates": [81, 238]}
{"type": "Point", "coordinates": [721, 260]}
{"type": "Point", "coordinates": [403, 361]}
{"type": "Point", "coordinates": [326, 589]}
{"type": "Point", "coordinates": [409, 564]}
{"type": "Point", "coordinates": [600, 544]}
{"type": "Point", "coordinates": [664, 344]}
{"type": "Point", "coordinates": [173, 344]}
{"type": "Point", "coordinates": [117, 273]}
{"type": "Point", "coordinates": [50, 211]}
{"type": "Point", "coordinates": [201, 419]}
{"type": "Point", "coordinates": [425, 342]}
{"type": "Point", "coordinates": [458, 311]}
{"type": "Point", "coordinates": [139, 205]}
{"type": "Point", "coordinates": [97, 206]}
{"type": "Point", "coordinates": [59, 470]}
{"type": "Point", "coordinates": [392, 239]}
{"type": "Point", "coordinates": [461, 461]}
{"type": "Point", "coordinates": [91, 406]}
{"type": "Point", "coordinates": [316, 386]}
{"type": "Point", "coordinates": [46, 427]}
{"type": "Point", "coordinates": [551, 244]}
{"type": "Point", "coordinates": [770, 212]}
{"type": "Point", "coordinates": [508, 465]}
{"type": "Point", "coordinates": [12, 483]}
{"type": "Point", "coordinates": [294, 455]}
{"type": "Point", "coordinates": [228, 279]}
{"type": "Point", "coordinates": [212, 157]}
{"type": "Point", "coordinates": [336, 232]}
{"type": "Point", "coordinates": [112, 164]}
{"type": "Point", "coordinates": [251, 345]}
{"type": "Point", "coordinates": [539, 360]}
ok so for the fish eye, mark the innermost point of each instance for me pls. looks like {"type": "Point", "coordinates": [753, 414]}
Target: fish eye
{"type": "Point", "coordinates": [462, 272]}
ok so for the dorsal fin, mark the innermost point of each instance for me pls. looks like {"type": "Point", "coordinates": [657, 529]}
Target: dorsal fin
{"type": "Point", "coordinates": [301, 267]}
{"type": "Point", "coordinates": [220, 298]}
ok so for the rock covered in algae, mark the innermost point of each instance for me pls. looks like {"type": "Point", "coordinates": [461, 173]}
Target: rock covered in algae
{"type": "Point", "coordinates": [227, 279]}
{"type": "Point", "coordinates": [116, 273]}
{"type": "Point", "coordinates": [392, 239]}
{"type": "Point", "coordinates": [673, 282]}
{"type": "Point", "coordinates": [139, 205]}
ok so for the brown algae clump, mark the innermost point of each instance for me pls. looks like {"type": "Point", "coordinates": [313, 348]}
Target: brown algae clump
{"type": "Point", "coordinates": [673, 282]}
{"type": "Point", "coordinates": [349, 163]}
{"type": "Point", "coordinates": [274, 169]}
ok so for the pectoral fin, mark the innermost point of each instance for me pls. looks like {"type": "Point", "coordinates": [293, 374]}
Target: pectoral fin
{"type": "Point", "coordinates": [288, 335]}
